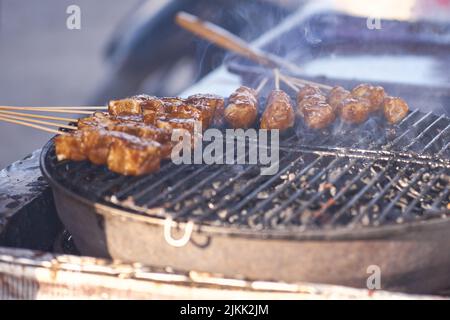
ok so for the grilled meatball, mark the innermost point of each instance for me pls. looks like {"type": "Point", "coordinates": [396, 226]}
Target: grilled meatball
{"type": "Point", "coordinates": [336, 96]}
{"type": "Point", "coordinates": [242, 108]}
{"type": "Point", "coordinates": [318, 115]}
{"type": "Point", "coordinates": [313, 108]}
{"type": "Point", "coordinates": [395, 109]}
{"type": "Point", "coordinates": [375, 95]}
{"type": "Point", "coordinates": [306, 91]}
{"type": "Point", "coordinates": [279, 114]}
{"type": "Point", "coordinates": [354, 110]}
{"type": "Point", "coordinates": [310, 101]}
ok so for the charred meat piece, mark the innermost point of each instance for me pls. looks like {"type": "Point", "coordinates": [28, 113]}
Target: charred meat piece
{"type": "Point", "coordinates": [242, 108]}
{"type": "Point", "coordinates": [212, 105]}
{"type": "Point", "coordinates": [98, 120]}
{"type": "Point", "coordinates": [97, 144]}
{"type": "Point", "coordinates": [70, 147]}
{"type": "Point", "coordinates": [153, 109]}
{"type": "Point", "coordinates": [336, 96]}
{"type": "Point", "coordinates": [142, 130]}
{"type": "Point", "coordinates": [176, 123]}
{"type": "Point", "coordinates": [132, 156]}
{"type": "Point", "coordinates": [279, 114]}
{"type": "Point", "coordinates": [200, 107]}
{"type": "Point", "coordinates": [355, 111]}
{"type": "Point", "coordinates": [306, 91]}
{"type": "Point", "coordinates": [395, 109]}
{"type": "Point", "coordinates": [375, 95]}
{"type": "Point", "coordinates": [148, 132]}
{"type": "Point", "coordinates": [189, 112]}
{"type": "Point", "coordinates": [128, 106]}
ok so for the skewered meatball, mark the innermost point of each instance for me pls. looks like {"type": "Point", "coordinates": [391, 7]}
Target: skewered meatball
{"type": "Point", "coordinates": [279, 114]}
{"type": "Point", "coordinates": [319, 115]}
{"type": "Point", "coordinates": [375, 95]}
{"type": "Point", "coordinates": [336, 96]}
{"type": "Point", "coordinates": [306, 91]}
{"type": "Point", "coordinates": [308, 101]}
{"type": "Point", "coordinates": [354, 110]}
{"type": "Point", "coordinates": [242, 108]}
{"type": "Point", "coordinates": [395, 109]}
{"type": "Point", "coordinates": [313, 107]}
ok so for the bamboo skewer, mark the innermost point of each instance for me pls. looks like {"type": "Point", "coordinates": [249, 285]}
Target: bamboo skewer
{"type": "Point", "coordinates": [35, 126]}
{"type": "Point", "coordinates": [39, 109]}
{"type": "Point", "coordinates": [262, 85]}
{"type": "Point", "coordinates": [62, 107]}
{"type": "Point", "coordinates": [225, 39]}
{"type": "Point", "coordinates": [30, 115]}
{"type": "Point", "coordinates": [53, 124]}
{"type": "Point", "coordinates": [231, 42]}
{"type": "Point", "coordinates": [289, 83]}
{"type": "Point", "coordinates": [77, 108]}
{"type": "Point", "coordinates": [276, 74]}
{"type": "Point", "coordinates": [305, 82]}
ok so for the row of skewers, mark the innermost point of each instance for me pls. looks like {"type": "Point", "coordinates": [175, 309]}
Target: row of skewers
{"type": "Point", "coordinates": [134, 135]}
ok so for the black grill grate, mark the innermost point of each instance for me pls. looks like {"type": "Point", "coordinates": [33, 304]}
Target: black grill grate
{"type": "Point", "coordinates": [353, 177]}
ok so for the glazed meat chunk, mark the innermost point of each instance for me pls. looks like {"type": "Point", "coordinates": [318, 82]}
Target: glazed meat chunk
{"type": "Point", "coordinates": [395, 109]}
{"type": "Point", "coordinates": [375, 96]}
{"type": "Point", "coordinates": [242, 108]}
{"type": "Point", "coordinates": [336, 96]}
{"type": "Point", "coordinates": [354, 111]}
{"type": "Point", "coordinates": [279, 114]}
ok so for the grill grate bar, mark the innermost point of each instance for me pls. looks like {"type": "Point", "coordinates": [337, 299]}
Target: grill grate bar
{"type": "Point", "coordinates": [167, 172]}
{"type": "Point", "coordinates": [359, 195]}
{"type": "Point", "coordinates": [424, 190]}
{"type": "Point", "coordinates": [300, 192]}
{"type": "Point", "coordinates": [440, 199]}
{"type": "Point", "coordinates": [144, 192]}
{"type": "Point", "coordinates": [207, 180]}
{"type": "Point", "coordinates": [179, 184]}
{"type": "Point", "coordinates": [401, 194]}
{"type": "Point", "coordinates": [219, 191]}
{"type": "Point", "coordinates": [423, 133]}
{"type": "Point", "coordinates": [238, 192]}
{"type": "Point", "coordinates": [393, 182]}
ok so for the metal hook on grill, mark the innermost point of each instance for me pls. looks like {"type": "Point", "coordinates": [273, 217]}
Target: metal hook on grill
{"type": "Point", "coordinates": [184, 240]}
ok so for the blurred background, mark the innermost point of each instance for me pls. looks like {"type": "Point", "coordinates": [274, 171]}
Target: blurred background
{"type": "Point", "coordinates": [133, 46]}
{"type": "Point", "coordinates": [123, 47]}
